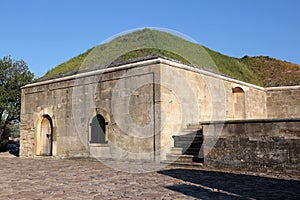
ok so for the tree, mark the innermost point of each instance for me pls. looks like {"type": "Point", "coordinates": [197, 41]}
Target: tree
{"type": "Point", "coordinates": [13, 75]}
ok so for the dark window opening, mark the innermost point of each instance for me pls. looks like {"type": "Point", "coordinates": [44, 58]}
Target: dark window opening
{"type": "Point", "coordinates": [98, 130]}
{"type": "Point", "coordinates": [237, 90]}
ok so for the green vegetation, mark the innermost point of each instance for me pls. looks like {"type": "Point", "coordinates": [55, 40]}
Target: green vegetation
{"type": "Point", "coordinates": [69, 66]}
{"type": "Point", "coordinates": [261, 71]}
{"type": "Point", "coordinates": [141, 53]}
{"type": "Point", "coordinates": [273, 72]}
{"type": "Point", "coordinates": [233, 67]}
{"type": "Point", "coordinates": [103, 55]}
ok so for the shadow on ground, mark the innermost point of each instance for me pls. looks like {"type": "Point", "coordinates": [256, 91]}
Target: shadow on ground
{"type": "Point", "coordinates": [221, 185]}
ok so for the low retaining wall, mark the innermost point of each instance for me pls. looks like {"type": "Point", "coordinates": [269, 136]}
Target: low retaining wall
{"type": "Point", "coordinates": [256, 145]}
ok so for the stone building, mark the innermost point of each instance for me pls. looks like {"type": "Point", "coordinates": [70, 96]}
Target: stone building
{"type": "Point", "coordinates": [143, 109]}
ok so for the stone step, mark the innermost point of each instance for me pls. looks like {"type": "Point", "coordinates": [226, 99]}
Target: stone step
{"type": "Point", "coordinates": [183, 164]}
{"type": "Point", "coordinates": [195, 141]}
{"type": "Point", "coordinates": [176, 150]}
{"type": "Point", "coordinates": [189, 133]}
{"type": "Point", "coordinates": [182, 151]}
{"type": "Point", "coordinates": [185, 138]}
{"type": "Point", "coordinates": [188, 137]}
{"type": "Point", "coordinates": [194, 126]}
{"type": "Point", "coordinates": [187, 144]}
{"type": "Point", "coordinates": [179, 158]}
{"type": "Point", "coordinates": [191, 151]}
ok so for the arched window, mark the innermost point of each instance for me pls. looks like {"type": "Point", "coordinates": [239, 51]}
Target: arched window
{"type": "Point", "coordinates": [98, 130]}
{"type": "Point", "coordinates": [239, 103]}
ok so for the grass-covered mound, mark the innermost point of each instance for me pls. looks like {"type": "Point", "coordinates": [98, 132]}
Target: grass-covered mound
{"type": "Point", "coordinates": [263, 71]}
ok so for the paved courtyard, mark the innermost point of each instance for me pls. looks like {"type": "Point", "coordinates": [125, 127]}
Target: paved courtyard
{"type": "Point", "coordinates": [88, 179]}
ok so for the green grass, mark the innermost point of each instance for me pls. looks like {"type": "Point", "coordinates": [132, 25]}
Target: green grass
{"type": "Point", "coordinates": [140, 53]}
{"type": "Point", "coordinates": [103, 55]}
{"type": "Point", "coordinates": [273, 72]}
{"type": "Point", "coordinates": [69, 66]}
{"type": "Point", "coordinates": [146, 42]}
{"type": "Point", "coordinates": [234, 68]}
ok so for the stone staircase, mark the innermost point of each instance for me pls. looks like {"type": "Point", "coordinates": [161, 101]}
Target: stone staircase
{"type": "Point", "coordinates": [187, 147]}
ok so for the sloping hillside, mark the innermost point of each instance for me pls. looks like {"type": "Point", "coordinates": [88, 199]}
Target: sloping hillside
{"type": "Point", "coordinates": [263, 71]}
{"type": "Point", "coordinates": [273, 72]}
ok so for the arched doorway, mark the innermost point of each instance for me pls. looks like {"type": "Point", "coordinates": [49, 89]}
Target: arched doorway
{"type": "Point", "coordinates": [239, 103]}
{"type": "Point", "coordinates": [45, 135]}
{"type": "Point", "coordinates": [98, 130]}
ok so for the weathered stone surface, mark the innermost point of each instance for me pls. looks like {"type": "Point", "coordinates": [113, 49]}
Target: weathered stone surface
{"type": "Point", "coordinates": [283, 102]}
{"type": "Point", "coordinates": [86, 179]}
{"type": "Point", "coordinates": [264, 146]}
{"type": "Point", "coordinates": [71, 105]}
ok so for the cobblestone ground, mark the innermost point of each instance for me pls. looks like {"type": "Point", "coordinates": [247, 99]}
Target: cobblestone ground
{"type": "Point", "coordinates": [88, 179]}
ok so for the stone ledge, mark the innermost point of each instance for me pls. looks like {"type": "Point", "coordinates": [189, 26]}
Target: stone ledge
{"type": "Point", "coordinates": [244, 121]}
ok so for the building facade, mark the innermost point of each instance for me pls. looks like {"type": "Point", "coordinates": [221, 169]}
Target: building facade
{"type": "Point", "coordinates": [133, 111]}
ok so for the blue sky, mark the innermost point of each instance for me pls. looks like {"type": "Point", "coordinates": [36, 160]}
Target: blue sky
{"type": "Point", "coordinates": [45, 33]}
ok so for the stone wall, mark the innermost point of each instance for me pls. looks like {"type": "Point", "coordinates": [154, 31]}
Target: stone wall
{"type": "Point", "coordinates": [125, 97]}
{"type": "Point", "coordinates": [53, 100]}
{"type": "Point", "coordinates": [213, 94]}
{"type": "Point", "coordinates": [283, 102]}
{"type": "Point", "coordinates": [255, 145]}
{"type": "Point", "coordinates": [189, 95]}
